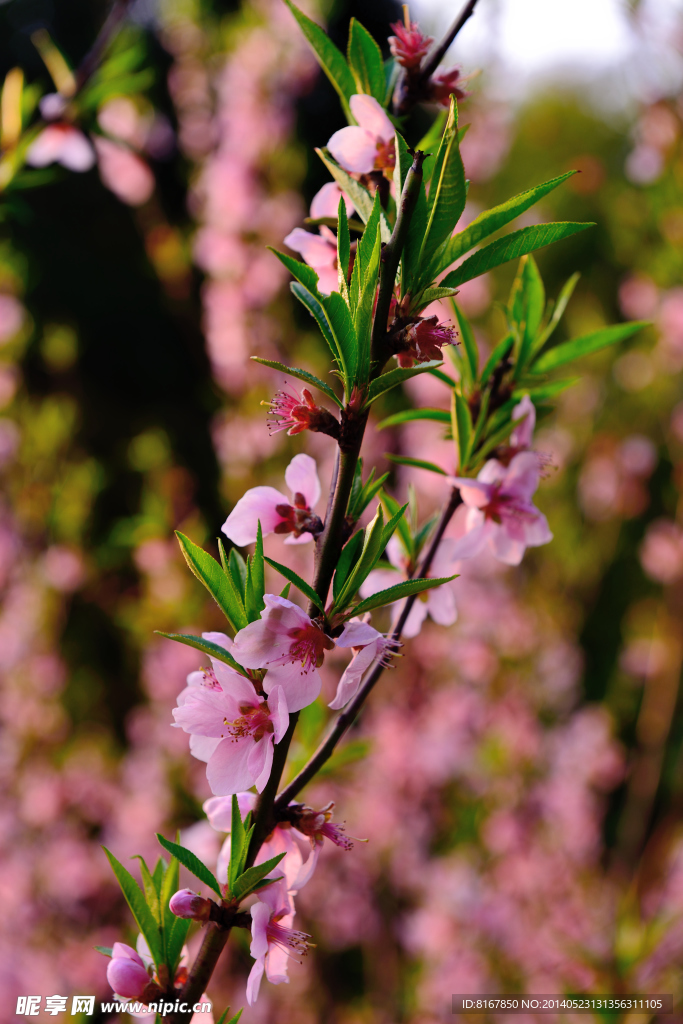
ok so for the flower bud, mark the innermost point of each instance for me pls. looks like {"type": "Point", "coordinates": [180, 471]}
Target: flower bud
{"type": "Point", "coordinates": [126, 972]}
{"type": "Point", "coordinates": [186, 903]}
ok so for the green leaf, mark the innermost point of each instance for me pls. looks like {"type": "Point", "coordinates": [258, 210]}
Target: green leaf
{"type": "Point", "coordinates": [106, 950]}
{"type": "Point", "coordinates": [150, 889]}
{"type": "Point", "coordinates": [301, 271]}
{"type": "Point", "coordinates": [430, 142]}
{"type": "Point", "coordinates": [560, 306]}
{"type": "Point", "coordinates": [318, 312]}
{"type": "Point", "coordinates": [546, 391]}
{"type": "Point", "coordinates": [593, 342]}
{"type": "Point", "coordinates": [412, 269]}
{"type": "Point", "coordinates": [170, 885]}
{"type": "Point", "coordinates": [366, 63]}
{"type": "Point", "coordinates": [175, 941]}
{"type": "Point", "coordinates": [444, 378]}
{"type": "Point", "coordinates": [496, 438]}
{"type": "Point", "coordinates": [192, 863]}
{"type": "Point", "coordinates": [410, 415]}
{"type": "Point", "coordinates": [527, 306]}
{"type": "Point", "coordinates": [300, 584]}
{"type": "Point", "coordinates": [398, 591]}
{"type": "Point", "coordinates": [394, 377]}
{"type": "Point", "coordinates": [489, 221]}
{"type": "Point", "coordinates": [237, 566]}
{"type": "Point", "coordinates": [461, 421]}
{"type": "Point", "coordinates": [255, 586]}
{"type": "Point", "coordinates": [404, 162]}
{"type": "Point", "coordinates": [406, 460]}
{"type": "Point", "coordinates": [139, 909]}
{"type": "Point", "coordinates": [248, 881]}
{"type": "Point", "coordinates": [406, 537]}
{"type": "Point", "coordinates": [304, 375]}
{"type": "Point", "coordinates": [500, 352]}
{"type": "Point", "coordinates": [329, 57]}
{"type": "Point", "coordinates": [468, 342]}
{"type": "Point", "coordinates": [206, 647]}
{"type": "Point", "coordinates": [216, 581]}
{"type": "Point", "coordinates": [343, 249]}
{"type": "Point", "coordinates": [447, 193]}
{"type": "Point", "coordinates": [369, 556]}
{"type": "Point", "coordinates": [348, 558]}
{"type": "Point", "coordinates": [238, 843]}
{"type": "Point", "coordinates": [361, 498]}
{"type": "Point", "coordinates": [364, 313]}
{"type": "Point", "coordinates": [392, 525]}
{"type": "Point", "coordinates": [341, 325]}
{"type": "Point", "coordinates": [233, 1020]}
{"type": "Point", "coordinates": [159, 873]}
{"type": "Point", "coordinates": [510, 247]}
{"type": "Point", "coordinates": [432, 295]}
{"type": "Point", "coordinates": [359, 196]}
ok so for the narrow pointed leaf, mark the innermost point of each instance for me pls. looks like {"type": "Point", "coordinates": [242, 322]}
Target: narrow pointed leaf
{"type": "Point", "coordinates": [169, 886]}
{"type": "Point", "coordinates": [258, 570]}
{"type": "Point", "coordinates": [216, 581]}
{"type": "Point", "coordinates": [558, 312]}
{"type": "Point", "coordinates": [341, 325]}
{"type": "Point", "coordinates": [106, 950]}
{"type": "Point", "coordinates": [192, 863]}
{"type": "Point", "coordinates": [304, 375]}
{"type": "Point", "coordinates": [529, 305]}
{"type": "Point", "coordinates": [363, 317]}
{"type": "Point", "coordinates": [568, 351]}
{"type": "Point", "coordinates": [404, 162]}
{"type": "Point", "coordinates": [392, 525]}
{"type": "Point", "coordinates": [462, 423]}
{"type": "Point", "coordinates": [175, 942]}
{"type": "Point", "coordinates": [468, 342]}
{"type": "Point", "coordinates": [343, 249]}
{"type": "Point", "coordinates": [366, 63]}
{"type": "Point", "coordinates": [510, 247]}
{"type": "Point", "coordinates": [410, 415]}
{"type": "Point", "coordinates": [300, 584]}
{"type": "Point", "coordinates": [329, 57]}
{"type": "Point", "coordinates": [150, 889]}
{"type": "Point", "coordinates": [546, 391]}
{"type": "Point", "coordinates": [406, 460]}
{"type": "Point", "coordinates": [392, 507]}
{"type": "Point", "coordinates": [159, 873]}
{"type": "Point", "coordinates": [252, 876]}
{"type": "Point", "coordinates": [447, 192]}
{"type": "Point", "coordinates": [348, 558]}
{"type": "Point", "coordinates": [237, 566]}
{"type": "Point", "coordinates": [317, 311]}
{"type": "Point", "coordinates": [490, 221]}
{"type": "Point", "coordinates": [395, 377]}
{"type": "Point", "coordinates": [500, 352]}
{"type": "Point", "coordinates": [397, 592]}
{"type": "Point", "coordinates": [372, 550]}
{"type": "Point", "coordinates": [233, 1020]}
{"type": "Point", "coordinates": [206, 647]}
{"type": "Point", "coordinates": [139, 909]}
{"type": "Point", "coordinates": [306, 275]}
{"type": "Point", "coordinates": [238, 846]}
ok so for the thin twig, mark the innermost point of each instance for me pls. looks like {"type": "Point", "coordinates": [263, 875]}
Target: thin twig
{"type": "Point", "coordinates": [347, 716]}
{"type": "Point", "coordinates": [435, 57]}
{"type": "Point", "coordinates": [91, 61]}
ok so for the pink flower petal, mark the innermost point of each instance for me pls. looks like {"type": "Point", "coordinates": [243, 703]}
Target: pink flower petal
{"type": "Point", "coordinates": [522, 435]}
{"type": "Point", "coordinates": [371, 115]}
{"type": "Point", "coordinates": [279, 710]}
{"type": "Point", "coordinates": [522, 476]}
{"type": "Point", "coordinates": [259, 503]}
{"type": "Point", "coordinates": [203, 747]}
{"type": "Point", "coordinates": [301, 476]}
{"type": "Point", "coordinates": [328, 280]}
{"type": "Point", "coordinates": [325, 203]}
{"type": "Point", "coordinates": [379, 579]}
{"type": "Point", "coordinates": [204, 712]}
{"type": "Point", "coordinates": [355, 149]}
{"type": "Point", "coordinates": [352, 676]}
{"type": "Point", "coordinates": [228, 768]}
{"type": "Point", "coordinates": [417, 615]}
{"type": "Point", "coordinates": [267, 640]}
{"type": "Point", "coordinates": [260, 916]}
{"type": "Point", "coordinates": [315, 249]}
{"type": "Point", "coordinates": [357, 634]}
{"type": "Point", "coordinates": [260, 761]}
{"type": "Point", "coordinates": [300, 688]}
{"type": "Point", "coordinates": [254, 980]}
{"type": "Point", "coordinates": [441, 605]}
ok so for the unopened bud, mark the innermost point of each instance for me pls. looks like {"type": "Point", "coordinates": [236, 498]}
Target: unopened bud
{"type": "Point", "coordinates": [186, 903]}
{"type": "Point", "coordinates": [126, 972]}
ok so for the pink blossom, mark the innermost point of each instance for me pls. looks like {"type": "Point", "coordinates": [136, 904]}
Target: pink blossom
{"type": "Point", "coordinates": [317, 827]}
{"type": "Point", "coordinates": [231, 726]}
{"type": "Point", "coordinates": [290, 645]}
{"type": "Point", "coordinates": [438, 603]}
{"type": "Point", "coordinates": [273, 940]}
{"type": "Point", "coordinates": [522, 435]}
{"type": "Point", "coordinates": [325, 202]}
{"type": "Point", "coordinates": [298, 412]}
{"type": "Point", "coordinates": [62, 144]}
{"type": "Point", "coordinates": [409, 45]}
{"type": "Point", "coordinates": [275, 512]}
{"type": "Point", "coordinates": [500, 511]}
{"type": "Point", "coordinates": [12, 316]}
{"type": "Point", "coordinates": [368, 646]}
{"type": "Point", "coordinates": [189, 904]}
{"type": "Point", "coordinates": [295, 871]}
{"type": "Point", "coordinates": [443, 86]}
{"type": "Point", "coordinates": [123, 172]}
{"type": "Point", "coordinates": [320, 252]}
{"type": "Point", "coordinates": [369, 145]}
{"type": "Point", "coordinates": [424, 341]}
{"type": "Point", "coordinates": [126, 972]}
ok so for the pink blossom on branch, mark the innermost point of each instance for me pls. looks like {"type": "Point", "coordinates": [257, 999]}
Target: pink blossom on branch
{"type": "Point", "coordinates": [275, 512]}
{"type": "Point", "coordinates": [273, 940]}
{"type": "Point", "coordinates": [409, 45]}
{"type": "Point", "coordinates": [500, 511]}
{"type": "Point", "coordinates": [320, 251]}
{"type": "Point", "coordinates": [290, 645]}
{"type": "Point", "coordinates": [298, 412]}
{"type": "Point", "coordinates": [369, 145]}
{"type": "Point", "coordinates": [233, 727]}
{"type": "Point", "coordinates": [126, 972]}
{"type": "Point", "coordinates": [62, 144]}
{"type": "Point", "coordinates": [424, 340]}
{"type": "Point", "coordinates": [369, 646]}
